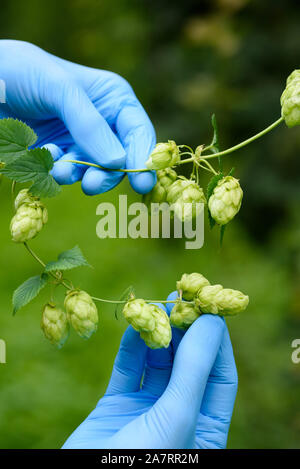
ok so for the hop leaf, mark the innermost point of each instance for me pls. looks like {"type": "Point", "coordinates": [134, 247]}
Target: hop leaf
{"type": "Point", "coordinates": [15, 138]}
{"type": "Point", "coordinates": [28, 291]}
{"type": "Point", "coordinates": [34, 166]}
{"type": "Point", "coordinates": [67, 260]}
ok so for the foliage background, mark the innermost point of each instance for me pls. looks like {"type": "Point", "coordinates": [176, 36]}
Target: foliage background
{"type": "Point", "coordinates": [185, 61]}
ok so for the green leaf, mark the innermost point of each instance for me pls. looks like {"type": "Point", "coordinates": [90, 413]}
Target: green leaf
{"type": "Point", "coordinates": [215, 141]}
{"type": "Point", "coordinates": [28, 291]}
{"type": "Point", "coordinates": [126, 295]}
{"type": "Point", "coordinates": [210, 188]}
{"type": "Point", "coordinates": [222, 231]}
{"type": "Point", "coordinates": [67, 260]}
{"type": "Point", "coordinates": [15, 138]}
{"type": "Point", "coordinates": [212, 184]}
{"type": "Point", "coordinates": [34, 166]}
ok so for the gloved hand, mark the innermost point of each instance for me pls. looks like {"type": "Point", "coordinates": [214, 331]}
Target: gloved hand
{"type": "Point", "coordinates": [186, 398]}
{"type": "Point", "coordinates": [79, 113]}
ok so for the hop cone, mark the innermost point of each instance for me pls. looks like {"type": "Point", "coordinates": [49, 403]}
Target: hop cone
{"type": "Point", "coordinates": [161, 335]}
{"type": "Point", "coordinates": [226, 199]}
{"type": "Point", "coordinates": [215, 299]}
{"type": "Point", "coordinates": [28, 221]}
{"type": "Point", "coordinates": [163, 156]}
{"type": "Point", "coordinates": [185, 196]}
{"type": "Point", "coordinates": [231, 302]}
{"type": "Point", "coordinates": [139, 314]}
{"type": "Point", "coordinates": [55, 325]}
{"type": "Point", "coordinates": [290, 100]}
{"type": "Point", "coordinates": [183, 315]}
{"type": "Point", "coordinates": [24, 197]}
{"type": "Point", "coordinates": [206, 299]}
{"type": "Point", "coordinates": [190, 284]}
{"type": "Point", "coordinates": [165, 177]}
{"type": "Point", "coordinates": [82, 313]}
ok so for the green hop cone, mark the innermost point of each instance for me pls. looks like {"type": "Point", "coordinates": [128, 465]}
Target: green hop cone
{"type": "Point", "coordinates": [139, 314]}
{"type": "Point", "coordinates": [206, 299]}
{"type": "Point", "coordinates": [215, 299]}
{"type": "Point", "coordinates": [28, 221]}
{"type": "Point", "coordinates": [183, 315]}
{"type": "Point", "coordinates": [230, 302]}
{"type": "Point", "coordinates": [165, 177]}
{"type": "Point", "coordinates": [225, 201]}
{"type": "Point", "coordinates": [163, 156]}
{"type": "Point", "coordinates": [24, 197]}
{"type": "Point", "coordinates": [290, 100]}
{"type": "Point", "coordinates": [186, 199]}
{"type": "Point", "coordinates": [190, 284]}
{"type": "Point", "coordinates": [82, 313]}
{"type": "Point", "coordinates": [55, 325]}
{"type": "Point", "coordinates": [161, 335]}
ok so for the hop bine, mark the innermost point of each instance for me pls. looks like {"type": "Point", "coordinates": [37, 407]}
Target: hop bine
{"type": "Point", "coordinates": [82, 313]}
{"type": "Point", "coordinates": [163, 156]}
{"type": "Point", "coordinates": [225, 201]}
{"type": "Point", "coordinates": [30, 217]}
{"type": "Point", "coordinates": [55, 325]}
{"type": "Point", "coordinates": [290, 100]}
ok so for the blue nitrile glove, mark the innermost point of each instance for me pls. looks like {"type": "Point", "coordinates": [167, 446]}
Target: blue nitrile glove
{"type": "Point", "coordinates": [78, 113]}
{"type": "Point", "coordinates": [186, 399]}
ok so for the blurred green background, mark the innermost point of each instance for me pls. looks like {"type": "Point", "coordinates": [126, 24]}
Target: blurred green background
{"type": "Point", "coordinates": [185, 61]}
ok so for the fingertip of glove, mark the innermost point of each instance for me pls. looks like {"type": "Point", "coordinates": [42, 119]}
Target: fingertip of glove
{"type": "Point", "coordinates": [144, 182]}
{"type": "Point", "coordinates": [96, 181]}
{"type": "Point", "coordinates": [55, 151]}
{"type": "Point", "coordinates": [63, 173]}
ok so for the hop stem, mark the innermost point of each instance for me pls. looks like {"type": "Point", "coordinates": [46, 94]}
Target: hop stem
{"type": "Point", "coordinates": [245, 142]}
{"type": "Point", "coordinates": [192, 158]}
